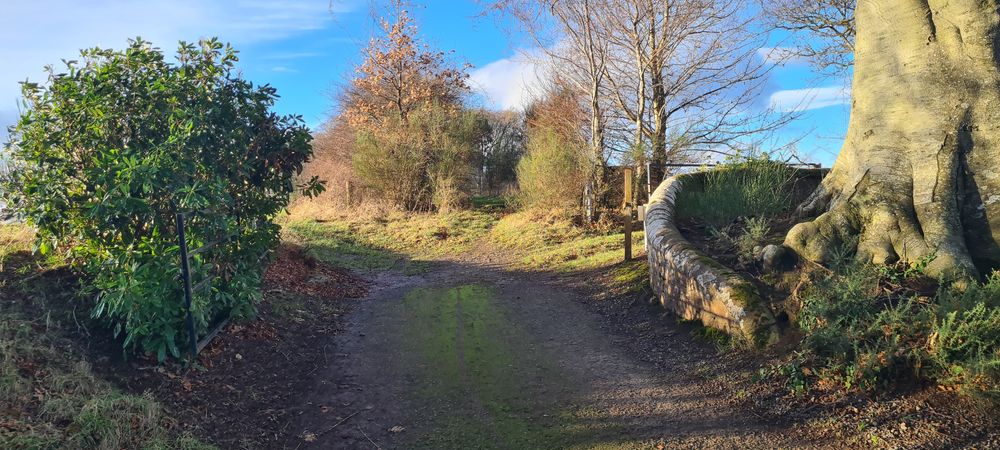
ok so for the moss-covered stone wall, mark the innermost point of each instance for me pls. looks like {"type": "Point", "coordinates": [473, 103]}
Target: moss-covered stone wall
{"type": "Point", "coordinates": [693, 285]}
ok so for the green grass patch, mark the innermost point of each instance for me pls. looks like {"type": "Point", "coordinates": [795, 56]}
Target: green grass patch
{"type": "Point", "coordinates": [340, 244]}
{"type": "Point", "coordinates": [752, 187]}
{"type": "Point", "coordinates": [51, 399]}
{"type": "Point", "coordinates": [497, 390]}
{"type": "Point", "coordinates": [415, 240]}
{"type": "Point", "coordinates": [527, 230]}
{"type": "Point", "coordinates": [633, 275]}
{"type": "Point", "coordinates": [551, 242]}
{"type": "Point", "coordinates": [457, 333]}
{"type": "Point", "coordinates": [582, 254]}
{"type": "Point", "coordinates": [718, 338]}
{"type": "Point", "coordinates": [495, 203]}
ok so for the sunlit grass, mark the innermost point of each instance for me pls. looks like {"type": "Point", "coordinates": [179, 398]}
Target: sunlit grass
{"type": "Point", "coordinates": [634, 275]}
{"type": "Point", "coordinates": [14, 238]}
{"type": "Point", "coordinates": [552, 242]}
{"type": "Point", "coordinates": [499, 203]}
{"type": "Point", "coordinates": [381, 241]}
{"type": "Point", "coordinates": [747, 188]}
{"type": "Point", "coordinates": [530, 230]}
{"type": "Point", "coordinates": [582, 254]}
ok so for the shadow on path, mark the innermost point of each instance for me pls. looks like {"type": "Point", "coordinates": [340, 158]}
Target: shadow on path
{"type": "Point", "coordinates": [471, 355]}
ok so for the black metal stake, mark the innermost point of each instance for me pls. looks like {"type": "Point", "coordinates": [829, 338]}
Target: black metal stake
{"type": "Point", "coordinates": [186, 275]}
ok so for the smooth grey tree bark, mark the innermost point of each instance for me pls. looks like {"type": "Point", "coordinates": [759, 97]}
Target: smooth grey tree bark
{"type": "Point", "coordinates": [919, 173]}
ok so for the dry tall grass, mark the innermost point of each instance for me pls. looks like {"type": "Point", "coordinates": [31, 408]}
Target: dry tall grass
{"type": "Point", "coordinates": [14, 238]}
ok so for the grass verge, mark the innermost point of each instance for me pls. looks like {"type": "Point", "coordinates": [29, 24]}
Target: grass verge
{"type": "Point", "coordinates": [14, 238]}
{"type": "Point", "coordinates": [751, 187]}
{"type": "Point", "coordinates": [551, 242]}
{"type": "Point", "coordinates": [380, 241]}
{"type": "Point", "coordinates": [384, 240]}
{"type": "Point", "coordinates": [50, 398]}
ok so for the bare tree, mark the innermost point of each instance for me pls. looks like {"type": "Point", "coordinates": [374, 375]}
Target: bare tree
{"type": "Point", "coordinates": [626, 27]}
{"type": "Point", "coordinates": [673, 79]}
{"type": "Point", "coordinates": [500, 151]}
{"type": "Point", "coordinates": [823, 31]}
{"type": "Point", "coordinates": [567, 33]}
{"type": "Point", "coordinates": [686, 73]}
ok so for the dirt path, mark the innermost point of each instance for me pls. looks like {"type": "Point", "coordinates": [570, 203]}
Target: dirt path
{"type": "Point", "coordinates": [469, 355]}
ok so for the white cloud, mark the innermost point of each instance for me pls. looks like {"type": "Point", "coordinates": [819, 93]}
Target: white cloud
{"type": "Point", "coordinates": [509, 83]}
{"type": "Point", "coordinates": [811, 98]}
{"type": "Point", "coordinates": [39, 32]}
{"type": "Point", "coordinates": [283, 69]}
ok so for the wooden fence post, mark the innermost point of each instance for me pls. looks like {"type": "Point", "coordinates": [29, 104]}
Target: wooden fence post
{"type": "Point", "coordinates": [629, 174]}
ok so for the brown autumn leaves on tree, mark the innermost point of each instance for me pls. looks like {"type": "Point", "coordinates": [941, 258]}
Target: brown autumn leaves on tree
{"type": "Point", "coordinates": [403, 134]}
{"type": "Point", "coordinates": [399, 75]}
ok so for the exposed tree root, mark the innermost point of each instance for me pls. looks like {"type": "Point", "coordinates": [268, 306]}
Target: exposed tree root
{"type": "Point", "coordinates": [882, 232]}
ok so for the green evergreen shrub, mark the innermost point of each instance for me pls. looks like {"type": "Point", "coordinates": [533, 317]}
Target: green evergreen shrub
{"type": "Point", "coordinates": [109, 149]}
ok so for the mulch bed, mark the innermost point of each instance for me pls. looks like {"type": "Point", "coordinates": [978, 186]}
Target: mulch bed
{"type": "Point", "coordinates": [251, 377]}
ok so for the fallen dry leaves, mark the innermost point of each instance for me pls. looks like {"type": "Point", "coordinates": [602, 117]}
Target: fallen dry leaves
{"type": "Point", "coordinates": [295, 271]}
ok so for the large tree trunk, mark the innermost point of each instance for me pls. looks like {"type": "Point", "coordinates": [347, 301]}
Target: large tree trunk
{"type": "Point", "coordinates": [918, 174]}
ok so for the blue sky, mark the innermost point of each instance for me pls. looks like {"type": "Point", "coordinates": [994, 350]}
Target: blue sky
{"type": "Point", "coordinates": [305, 48]}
